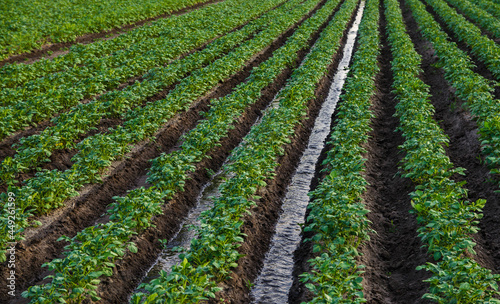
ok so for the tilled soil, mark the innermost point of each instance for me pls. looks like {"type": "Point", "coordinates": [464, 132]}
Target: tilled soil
{"type": "Point", "coordinates": [464, 147]}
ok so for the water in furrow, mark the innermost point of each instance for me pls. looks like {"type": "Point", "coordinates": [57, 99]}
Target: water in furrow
{"type": "Point", "coordinates": [275, 279]}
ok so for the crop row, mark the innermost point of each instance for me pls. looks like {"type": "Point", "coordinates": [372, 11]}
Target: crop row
{"type": "Point", "coordinates": [18, 74]}
{"type": "Point", "coordinates": [49, 189]}
{"type": "Point", "coordinates": [46, 96]}
{"type": "Point", "coordinates": [469, 86]}
{"type": "Point", "coordinates": [212, 255]}
{"type": "Point", "coordinates": [26, 27]}
{"type": "Point", "coordinates": [478, 15]}
{"type": "Point", "coordinates": [481, 46]}
{"type": "Point", "coordinates": [167, 176]}
{"type": "Point", "coordinates": [489, 6]}
{"type": "Point", "coordinates": [34, 150]}
{"type": "Point", "coordinates": [337, 216]}
{"type": "Point", "coordinates": [447, 219]}
{"type": "Point", "coordinates": [116, 61]}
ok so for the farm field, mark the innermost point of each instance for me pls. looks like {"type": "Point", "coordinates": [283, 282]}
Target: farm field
{"type": "Point", "coordinates": [250, 151]}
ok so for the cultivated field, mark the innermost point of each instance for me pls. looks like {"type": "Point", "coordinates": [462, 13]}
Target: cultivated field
{"type": "Point", "coordinates": [250, 151]}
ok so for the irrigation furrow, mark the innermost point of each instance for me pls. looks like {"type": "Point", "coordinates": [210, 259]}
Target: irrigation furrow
{"type": "Point", "coordinates": [275, 278]}
{"type": "Point", "coordinates": [182, 239]}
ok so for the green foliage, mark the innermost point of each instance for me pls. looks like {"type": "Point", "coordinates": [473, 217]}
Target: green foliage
{"type": "Point", "coordinates": [483, 47]}
{"type": "Point", "coordinates": [27, 26]}
{"type": "Point", "coordinates": [133, 213]}
{"type": "Point", "coordinates": [97, 152]}
{"type": "Point", "coordinates": [82, 74]}
{"type": "Point", "coordinates": [470, 86]}
{"type": "Point", "coordinates": [447, 219]}
{"type": "Point", "coordinates": [337, 216]}
{"type": "Point", "coordinates": [489, 6]}
{"type": "Point", "coordinates": [215, 252]}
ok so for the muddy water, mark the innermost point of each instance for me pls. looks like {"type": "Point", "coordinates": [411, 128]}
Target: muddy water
{"type": "Point", "coordinates": [275, 279]}
{"type": "Point", "coordinates": [169, 256]}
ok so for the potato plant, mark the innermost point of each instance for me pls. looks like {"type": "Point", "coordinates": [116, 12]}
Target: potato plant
{"type": "Point", "coordinates": [447, 219]}
{"type": "Point", "coordinates": [42, 98]}
{"type": "Point", "coordinates": [337, 215]}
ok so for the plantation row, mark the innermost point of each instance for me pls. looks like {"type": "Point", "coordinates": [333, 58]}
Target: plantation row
{"type": "Point", "coordinates": [446, 217]}
{"type": "Point", "coordinates": [338, 221]}
{"type": "Point", "coordinates": [146, 79]}
{"type": "Point", "coordinates": [97, 152]}
{"type": "Point", "coordinates": [62, 21]}
{"type": "Point", "coordinates": [45, 96]}
{"type": "Point", "coordinates": [167, 175]}
{"type": "Point", "coordinates": [481, 46]}
{"type": "Point", "coordinates": [470, 86]}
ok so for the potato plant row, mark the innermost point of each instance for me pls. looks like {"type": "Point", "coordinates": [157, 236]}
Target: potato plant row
{"type": "Point", "coordinates": [49, 189]}
{"type": "Point", "coordinates": [212, 255]}
{"type": "Point", "coordinates": [337, 216]}
{"type": "Point", "coordinates": [478, 15]}
{"type": "Point", "coordinates": [471, 87]}
{"type": "Point", "coordinates": [481, 46]}
{"type": "Point", "coordinates": [44, 97]}
{"type": "Point", "coordinates": [104, 70]}
{"type": "Point", "coordinates": [489, 6]}
{"type": "Point", "coordinates": [17, 74]}
{"type": "Point", "coordinates": [80, 270]}
{"type": "Point", "coordinates": [447, 219]}
{"type": "Point", "coordinates": [35, 149]}
{"type": "Point", "coordinates": [27, 27]}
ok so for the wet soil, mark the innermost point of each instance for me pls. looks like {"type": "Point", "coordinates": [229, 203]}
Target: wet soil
{"type": "Point", "coordinates": [275, 278]}
{"type": "Point", "coordinates": [394, 251]}
{"type": "Point", "coordinates": [259, 226]}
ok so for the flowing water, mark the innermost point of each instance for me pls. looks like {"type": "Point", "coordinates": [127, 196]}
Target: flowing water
{"type": "Point", "coordinates": [170, 256]}
{"type": "Point", "coordinates": [275, 279]}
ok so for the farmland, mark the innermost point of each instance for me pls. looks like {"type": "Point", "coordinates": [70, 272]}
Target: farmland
{"type": "Point", "coordinates": [250, 151]}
